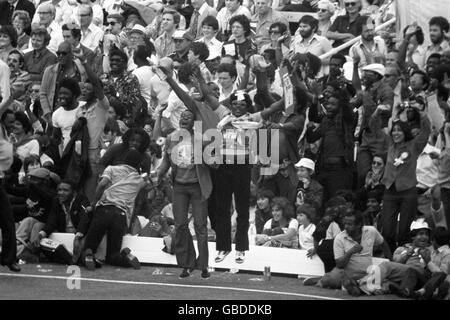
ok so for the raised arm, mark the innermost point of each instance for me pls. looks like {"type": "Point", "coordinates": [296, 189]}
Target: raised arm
{"type": "Point", "coordinates": [184, 96]}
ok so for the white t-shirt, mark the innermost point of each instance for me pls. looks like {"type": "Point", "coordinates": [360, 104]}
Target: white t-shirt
{"type": "Point", "coordinates": [144, 75]}
{"type": "Point", "coordinates": [64, 119]}
{"type": "Point", "coordinates": [292, 224]}
{"type": "Point", "coordinates": [27, 149]}
{"type": "Point", "coordinates": [175, 108]}
{"type": "Point", "coordinates": [305, 236]}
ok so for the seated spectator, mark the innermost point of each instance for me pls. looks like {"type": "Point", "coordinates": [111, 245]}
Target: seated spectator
{"type": "Point", "coordinates": [326, 11]}
{"type": "Point", "coordinates": [19, 80]}
{"type": "Point", "coordinates": [22, 23]}
{"type": "Point", "coordinates": [373, 208]}
{"type": "Point", "coordinates": [38, 59]}
{"type": "Point", "coordinates": [8, 41]}
{"type": "Point", "coordinates": [263, 208]}
{"type": "Point", "coordinates": [281, 230]}
{"type": "Point", "coordinates": [232, 8]}
{"type": "Point", "coordinates": [25, 144]}
{"type": "Point", "coordinates": [210, 27]}
{"type": "Point", "coordinates": [70, 213]}
{"type": "Point", "coordinates": [306, 215]}
{"type": "Point", "coordinates": [439, 266]}
{"type": "Point", "coordinates": [39, 194]}
{"type": "Point", "coordinates": [353, 251]}
{"type": "Point", "coordinates": [308, 190]}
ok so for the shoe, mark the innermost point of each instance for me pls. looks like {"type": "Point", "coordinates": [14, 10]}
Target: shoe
{"type": "Point", "coordinates": [399, 291]}
{"type": "Point", "coordinates": [132, 260]}
{"type": "Point", "coordinates": [185, 273]}
{"type": "Point", "coordinates": [13, 267]}
{"type": "Point", "coordinates": [89, 261]}
{"type": "Point", "coordinates": [311, 281]}
{"type": "Point", "coordinates": [351, 286]}
{"type": "Point", "coordinates": [221, 256]}
{"type": "Point", "coordinates": [240, 256]}
{"type": "Point", "coordinates": [205, 274]}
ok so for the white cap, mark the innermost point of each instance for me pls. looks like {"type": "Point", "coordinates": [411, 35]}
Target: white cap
{"type": "Point", "coordinates": [137, 28]}
{"type": "Point", "coordinates": [419, 224]}
{"type": "Point", "coordinates": [375, 67]}
{"type": "Point", "coordinates": [306, 163]}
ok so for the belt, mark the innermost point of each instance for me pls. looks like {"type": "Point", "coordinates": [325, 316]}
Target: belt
{"type": "Point", "coordinates": [421, 191]}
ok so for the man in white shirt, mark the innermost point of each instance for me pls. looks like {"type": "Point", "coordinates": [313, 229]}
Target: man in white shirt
{"type": "Point", "coordinates": [143, 73]}
{"type": "Point", "coordinates": [201, 11]}
{"type": "Point", "coordinates": [65, 115]}
{"type": "Point", "coordinates": [63, 11]}
{"type": "Point", "coordinates": [308, 41]}
{"type": "Point", "coordinates": [46, 13]}
{"type": "Point", "coordinates": [370, 49]}
{"type": "Point", "coordinates": [232, 8]}
{"type": "Point", "coordinates": [91, 35]}
{"type": "Point", "coordinates": [160, 90]}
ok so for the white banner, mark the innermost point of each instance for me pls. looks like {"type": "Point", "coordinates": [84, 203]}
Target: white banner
{"type": "Point", "coordinates": [408, 11]}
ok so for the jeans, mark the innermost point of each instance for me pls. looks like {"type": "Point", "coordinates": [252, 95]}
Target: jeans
{"type": "Point", "coordinates": [394, 202]}
{"type": "Point", "coordinates": [108, 220]}
{"type": "Point", "coordinates": [8, 254]}
{"type": "Point", "coordinates": [445, 197]}
{"type": "Point", "coordinates": [183, 196]}
{"type": "Point", "coordinates": [90, 185]}
{"type": "Point", "coordinates": [232, 179]}
{"type": "Point", "coordinates": [363, 166]}
{"type": "Point", "coordinates": [28, 231]}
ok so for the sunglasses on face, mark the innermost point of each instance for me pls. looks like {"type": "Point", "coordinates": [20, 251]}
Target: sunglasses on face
{"type": "Point", "coordinates": [377, 163]}
{"type": "Point", "coordinates": [350, 4]}
{"type": "Point", "coordinates": [62, 53]}
{"type": "Point", "coordinates": [171, 3]}
{"type": "Point", "coordinates": [323, 10]}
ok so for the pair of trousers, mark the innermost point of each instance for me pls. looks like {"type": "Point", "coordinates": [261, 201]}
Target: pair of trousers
{"type": "Point", "coordinates": [445, 197]}
{"type": "Point", "coordinates": [334, 178]}
{"type": "Point", "coordinates": [326, 254]}
{"type": "Point", "coordinates": [232, 179]}
{"type": "Point", "coordinates": [183, 196]}
{"type": "Point", "coordinates": [90, 185]}
{"type": "Point", "coordinates": [28, 232]}
{"type": "Point", "coordinates": [395, 202]}
{"type": "Point", "coordinates": [363, 166]}
{"type": "Point", "coordinates": [8, 254]}
{"type": "Point", "coordinates": [111, 221]}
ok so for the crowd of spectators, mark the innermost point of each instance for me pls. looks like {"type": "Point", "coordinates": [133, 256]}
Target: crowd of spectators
{"type": "Point", "coordinates": [94, 96]}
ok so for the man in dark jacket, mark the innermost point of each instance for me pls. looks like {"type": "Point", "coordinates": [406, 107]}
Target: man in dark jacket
{"type": "Point", "coordinates": [70, 213]}
{"type": "Point", "coordinates": [7, 8]}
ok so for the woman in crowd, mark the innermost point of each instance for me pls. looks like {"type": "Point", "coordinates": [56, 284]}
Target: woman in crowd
{"type": "Point", "coordinates": [308, 190]}
{"type": "Point", "coordinates": [241, 43]}
{"type": "Point", "coordinates": [22, 22]}
{"type": "Point", "coordinates": [263, 208]}
{"type": "Point", "coordinates": [8, 41]}
{"type": "Point", "coordinates": [281, 229]}
{"type": "Point", "coordinates": [25, 143]}
{"type": "Point", "coordinates": [400, 179]}
{"type": "Point", "coordinates": [306, 216]}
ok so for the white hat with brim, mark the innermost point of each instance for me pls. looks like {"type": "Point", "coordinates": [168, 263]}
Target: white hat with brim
{"type": "Point", "coordinates": [375, 67]}
{"type": "Point", "coordinates": [306, 163]}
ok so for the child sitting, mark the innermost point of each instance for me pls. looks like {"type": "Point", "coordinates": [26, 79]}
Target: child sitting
{"type": "Point", "coordinates": [305, 216]}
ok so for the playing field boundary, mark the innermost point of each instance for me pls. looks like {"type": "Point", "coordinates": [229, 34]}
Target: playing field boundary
{"type": "Point", "coordinates": [294, 294]}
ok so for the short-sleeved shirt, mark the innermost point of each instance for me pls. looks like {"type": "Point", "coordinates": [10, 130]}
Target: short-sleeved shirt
{"type": "Point", "coordinates": [125, 185]}
{"type": "Point", "coordinates": [293, 224]}
{"type": "Point", "coordinates": [96, 116]}
{"type": "Point", "coordinates": [342, 25]}
{"type": "Point", "coordinates": [359, 262]}
{"type": "Point", "coordinates": [64, 119]}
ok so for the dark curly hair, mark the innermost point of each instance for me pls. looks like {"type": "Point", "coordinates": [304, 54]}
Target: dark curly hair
{"type": "Point", "coordinates": [139, 131]}
{"type": "Point", "coordinates": [243, 21]}
{"type": "Point", "coordinates": [11, 33]}
{"type": "Point", "coordinates": [405, 127]}
{"type": "Point", "coordinates": [285, 206]}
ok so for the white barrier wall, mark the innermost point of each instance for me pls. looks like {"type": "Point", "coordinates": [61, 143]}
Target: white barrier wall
{"type": "Point", "coordinates": [280, 260]}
